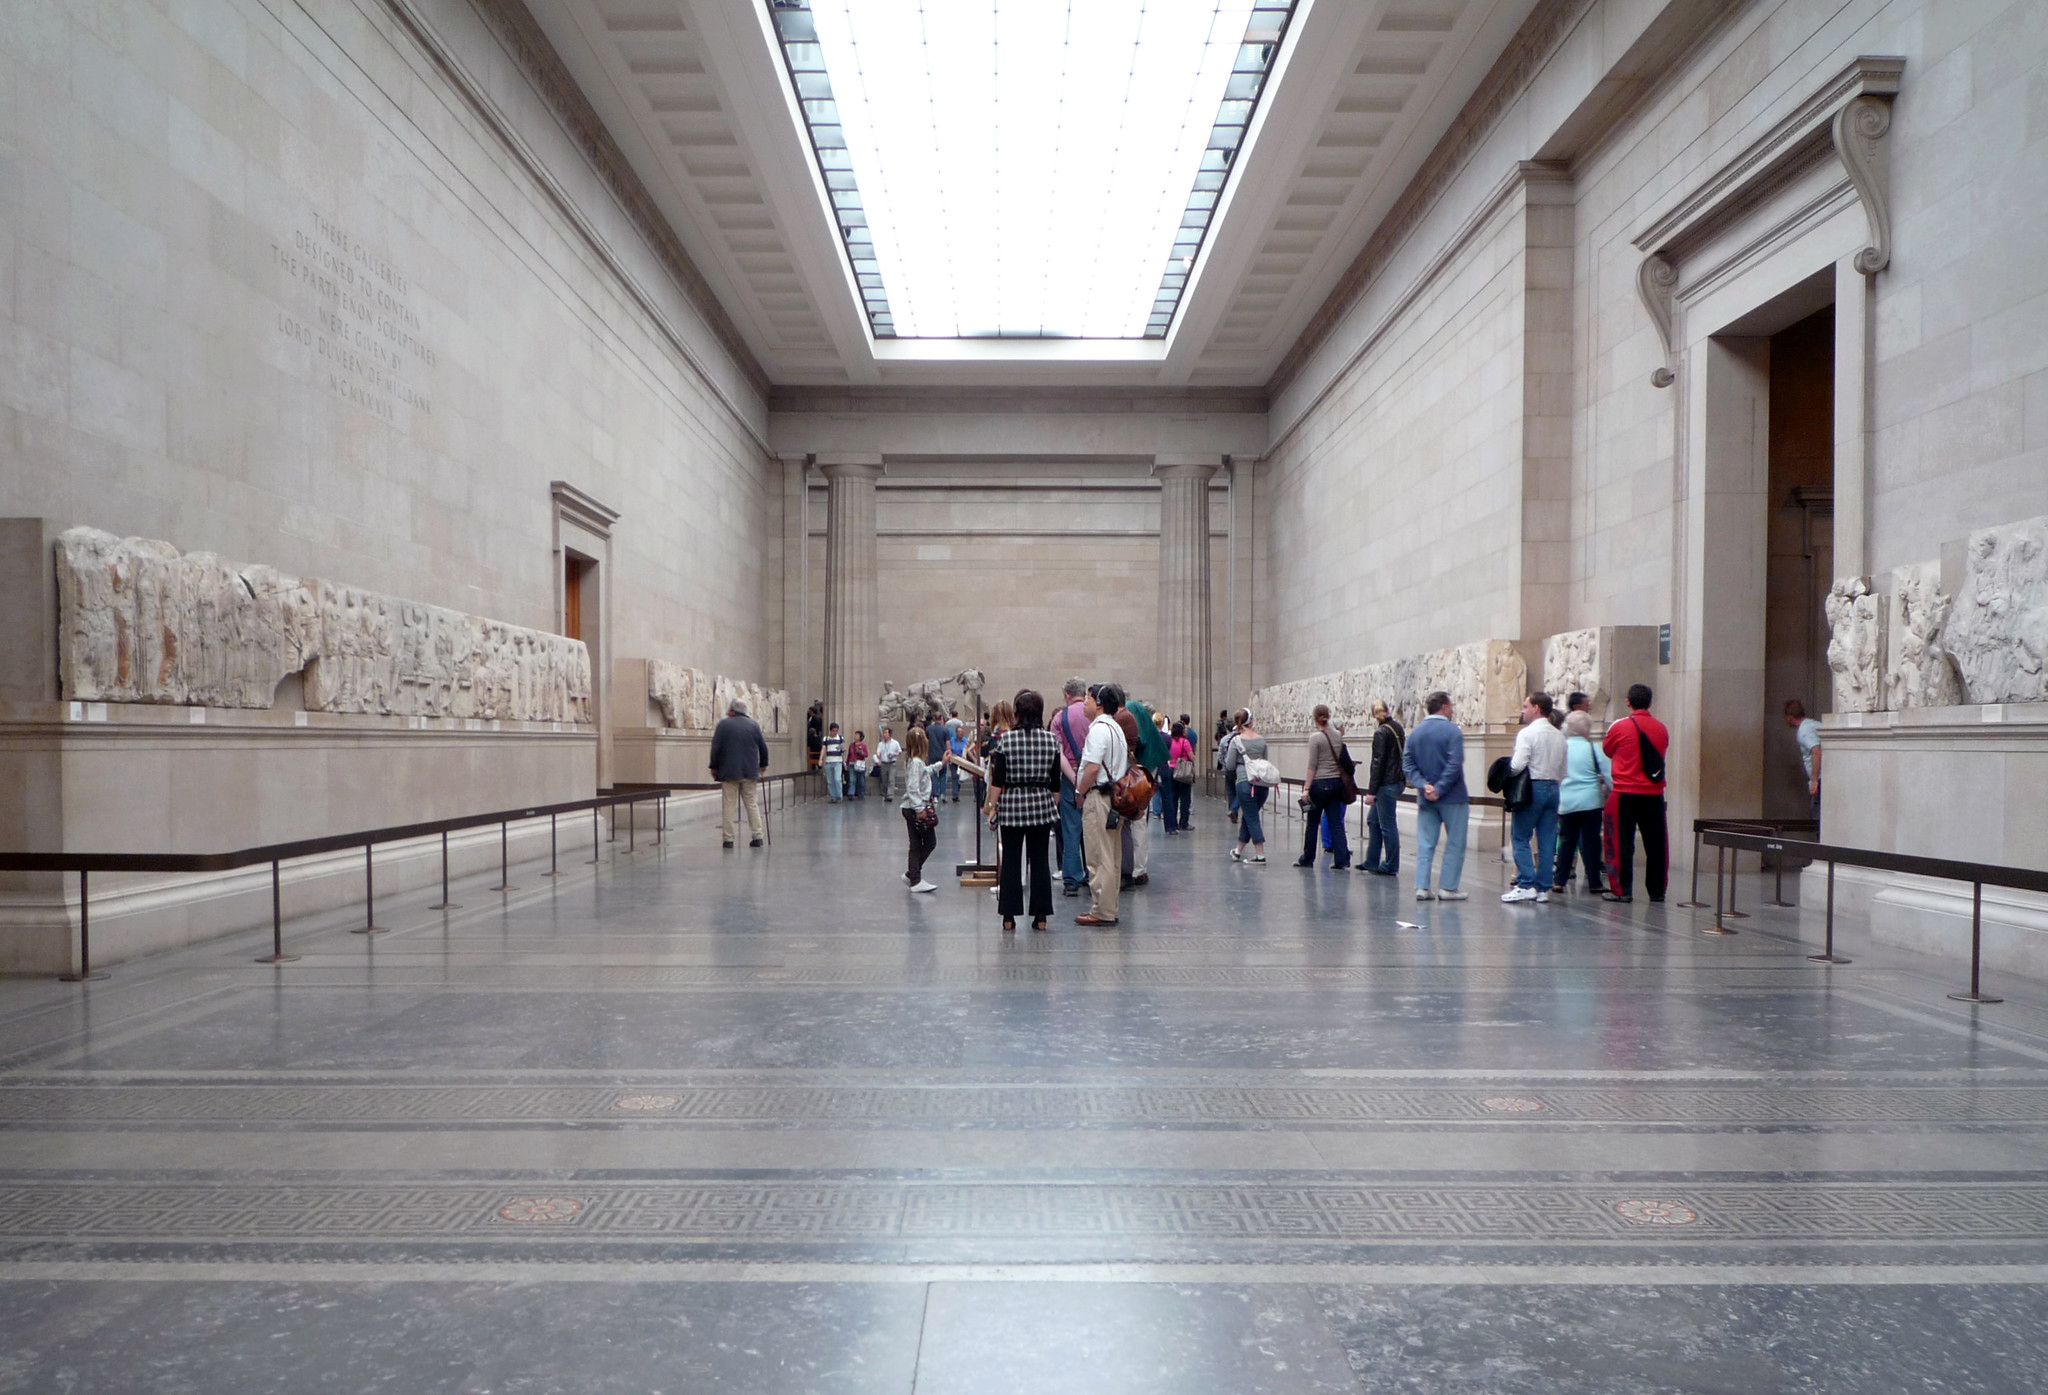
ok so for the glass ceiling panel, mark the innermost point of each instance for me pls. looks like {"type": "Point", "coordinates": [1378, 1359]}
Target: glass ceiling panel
{"type": "Point", "coordinates": [1026, 168]}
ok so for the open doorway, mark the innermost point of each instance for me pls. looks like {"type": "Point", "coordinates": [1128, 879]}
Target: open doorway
{"type": "Point", "coordinates": [1801, 560]}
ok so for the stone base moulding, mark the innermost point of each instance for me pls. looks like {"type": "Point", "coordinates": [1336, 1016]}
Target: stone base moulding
{"type": "Point", "coordinates": [143, 778]}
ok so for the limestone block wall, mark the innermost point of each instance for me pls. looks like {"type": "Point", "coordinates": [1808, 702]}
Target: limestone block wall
{"type": "Point", "coordinates": [306, 303]}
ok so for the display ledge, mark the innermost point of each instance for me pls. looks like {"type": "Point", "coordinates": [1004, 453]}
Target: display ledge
{"type": "Point", "coordinates": [2028, 719]}
{"type": "Point", "coordinates": [140, 714]}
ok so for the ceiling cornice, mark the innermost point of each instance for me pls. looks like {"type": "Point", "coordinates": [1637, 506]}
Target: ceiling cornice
{"type": "Point", "coordinates": [542, 67]}
{"type": "Point", "coordinates": [1021, 400]}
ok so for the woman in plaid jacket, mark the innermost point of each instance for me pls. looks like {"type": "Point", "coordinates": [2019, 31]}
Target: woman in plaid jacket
{"type": "Point", "coordinates": [1023, 803]}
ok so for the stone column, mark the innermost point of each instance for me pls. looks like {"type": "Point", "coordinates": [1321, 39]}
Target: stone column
{"type": "Point", "coordinates": [1184, 659]}
{"type": "Point", "coordinates": [853, 677]}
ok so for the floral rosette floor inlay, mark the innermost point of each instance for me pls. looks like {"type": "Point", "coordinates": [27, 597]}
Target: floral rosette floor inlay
{"type": "Point", "coordinates": [1640, 1212]}
{"type": "Point", "coordinates": [540, 1209]}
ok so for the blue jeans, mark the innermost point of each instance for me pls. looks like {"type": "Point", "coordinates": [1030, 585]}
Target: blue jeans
{"type": "Point", "coordinates": [1073, 865]}
{"type": "Point", "coordinates": [1383, 827]}
{"type": "Point", "coordinates": [1233, 797]}
{"type": "Point", "coordinates": [1250, 799]}
{"type": "Point", "coordinates": [1538, 816]}
{"type": "Point", "coordinates": [835, 775]}
{"type": "Point", "coordinates": [1434, 818]}
{"type": "Point", "coordinates": [1179, 802]}
{"type": "Point", "coordinates": [859, 778]}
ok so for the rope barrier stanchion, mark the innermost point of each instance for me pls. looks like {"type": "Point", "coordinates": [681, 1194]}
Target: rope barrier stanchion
{"type": "Point", "coordinates": [1778, 901]}
{"type": "Point", "coordinates": [554, 862]}
{"type": "Point", "coordinates": [596, 841]}
{"type": "Point", "coordinates": [277, 954]}
{"type": "Point", "coordinates": [1827, 954]}
{"type": "Point", "coordinates": [632, 824]}
{"type": "Point", "coordinates": [85, 973]}
{"type": "Point", "coordinates": [1734, 877]}
{"type": "Point", "coordinates": [1693, 902]}
{"type": "Point", "coordinates": [369, 925]}
{"type": "Point", "coordinates": [504, 857]}
{"type": "Point", "coordinates": [444, 904]}
{"type": "Point", "coordinates": [1717, 928]}
{"type": "Point", "coordinates": [1976, 995]}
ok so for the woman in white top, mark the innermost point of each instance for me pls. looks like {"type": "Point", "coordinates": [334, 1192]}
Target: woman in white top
{"type": "Point", "coordinates": [1539, 749]}
{"type": "Point", "coordinates": [917, 799]}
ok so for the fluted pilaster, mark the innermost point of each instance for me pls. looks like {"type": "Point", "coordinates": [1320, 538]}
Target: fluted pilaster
{"type": "Point", "coordinates": [1184, 659]}
{"type": "Point", "coordinates": [853, 679]}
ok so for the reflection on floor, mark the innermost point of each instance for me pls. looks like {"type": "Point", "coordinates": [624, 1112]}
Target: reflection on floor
{"type": "Point", "coordinates": [763, 1121]}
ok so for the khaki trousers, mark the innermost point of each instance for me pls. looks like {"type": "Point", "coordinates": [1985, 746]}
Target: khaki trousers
{"type": "Point", "coordinates": [732, 794]}
{"type": "Point", "coordinates": [1105, 851]}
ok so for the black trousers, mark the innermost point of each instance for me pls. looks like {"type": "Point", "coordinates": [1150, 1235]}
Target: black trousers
{"type": "Point", "coordinates": [1578, 832]}
{"type": "Point", "coordinates": [1642, 813]}
{"type": "Point", "coordinates": [922, 841]}
{"type": "Point", "coordinates": [1022, 846]}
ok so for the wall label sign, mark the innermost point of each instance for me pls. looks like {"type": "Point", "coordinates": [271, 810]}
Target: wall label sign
{"type": "Point", "coordinates": [1664, 643]}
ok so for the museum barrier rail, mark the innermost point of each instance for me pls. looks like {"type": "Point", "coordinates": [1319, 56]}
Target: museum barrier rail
{"type": "Point", "coordinates": [1790, 830]}
{"type": "Point", "coordinates": [789, 788]}
{"type": "Point", "coordinates": [1289, 809]}
{"type": "Point", "coordinates": [276, 854]}
{"type": "Point", "coordinates": [1978, 874]}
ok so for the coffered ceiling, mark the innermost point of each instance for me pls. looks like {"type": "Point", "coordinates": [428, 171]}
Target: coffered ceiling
{"type": "Point", "coordinates": [695, 93]}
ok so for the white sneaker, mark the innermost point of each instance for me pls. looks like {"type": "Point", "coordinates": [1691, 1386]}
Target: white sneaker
{"type": "Point", "coordinates": [1423, 893]}
{"type": "Point", "coordinates": [924, 886]}
{"type": "Point", "coordinates": [1452, 896]}
{"type": "Point", "coordinates": [1542, 898]}
{"type": "Point", "coordinates": [1519, 893]}
{"type": "Point", "coordinates": [1236, 855]}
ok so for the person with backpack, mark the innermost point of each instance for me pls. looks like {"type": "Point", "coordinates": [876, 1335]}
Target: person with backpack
{"type": "Point", "coordinates": [1248, 772]}
{"type": "Point", "coordinates": [1635, 747]}
{"type": "Point", "coordinates": [1105, 758]}
{"type": "Point", "coordinates": [1324, 783]}
{"type": "Point", "coordinates": [1180, 787]}
{"type": "Point", "coordinates": [1383, 795]}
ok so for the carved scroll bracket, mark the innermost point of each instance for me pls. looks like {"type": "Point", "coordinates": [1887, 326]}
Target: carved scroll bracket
{"type": "Point", "coordinates": [1860, 129]}
{"type": "Point", "coordinates": [1847, 117]}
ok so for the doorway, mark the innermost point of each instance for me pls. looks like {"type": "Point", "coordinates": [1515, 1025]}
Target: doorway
{"type": "Point", "coordinates": [1800, 567]}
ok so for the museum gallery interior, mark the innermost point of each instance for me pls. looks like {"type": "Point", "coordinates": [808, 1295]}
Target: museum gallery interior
{"type": "Point", "coordinates": [436, 436]}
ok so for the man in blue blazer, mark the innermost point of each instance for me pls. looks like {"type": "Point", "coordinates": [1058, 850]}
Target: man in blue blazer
{"type": "Point", "coordinates": [1434, 765]}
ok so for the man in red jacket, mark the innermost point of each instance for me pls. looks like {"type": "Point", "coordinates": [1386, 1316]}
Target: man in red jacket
{"type": "Point", "coordinates": [1636, 745]}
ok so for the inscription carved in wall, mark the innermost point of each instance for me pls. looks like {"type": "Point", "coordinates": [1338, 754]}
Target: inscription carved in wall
{"type": "Point", "coordinates": [353, 313]}
{"type": "Point", "coordinates": [138, 621]}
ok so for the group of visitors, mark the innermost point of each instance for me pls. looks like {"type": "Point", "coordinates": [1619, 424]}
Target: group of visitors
{"type": "Point", "coordinates": [1053, 787]}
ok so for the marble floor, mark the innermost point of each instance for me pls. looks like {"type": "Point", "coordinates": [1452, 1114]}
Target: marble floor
{"type": "Point", "coordinates": [762, 1121]}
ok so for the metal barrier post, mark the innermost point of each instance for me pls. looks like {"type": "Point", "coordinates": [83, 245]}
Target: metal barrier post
{"type": "Point", "coordinates": [660, 815]}
{"type": "Point", "coordinates": [504, 857]}
{"type": "Point", "coordinates": [1778, 884]}
{"type": "Point", "coordinates": [369, 925]}
{"type": "Point", "coordinates": [1828, 956]}
{"type": "Point", "coordinates": [1695, 904]}
{"type": "Point", "coordinates": [444, 904]}
{"type": "Point", "coordinates": [632, 824]}
{"type": "Point", "coordinates": [554, 865]}
{"type": "Point", "coordinates": [1734, 879]}
{"type": "Point", "coordinates": [277, 954]}
{"type": "Point", "coordinates": [1717, 928]}
{"type": "Point", "coordinates": [1976, 948]}
{"type": "Point", "coordinates": [85, 973]}
{"type": "Point", "coordinates": [596, 855]}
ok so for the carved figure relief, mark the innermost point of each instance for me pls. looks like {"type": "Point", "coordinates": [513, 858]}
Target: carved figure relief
{"type": "Point", "coordinates": [1856, 645]}
{"type": "Point", "coordinates": [1486, 681]}
{"type": "Point", "coordinates": [1998, 627]}
{"type": "Point", "coordinates": [1920, 672]}
{"type": "Point", "coordinates": [1572, 664]}
{"type": "Point", "coordinates": [141, 622]}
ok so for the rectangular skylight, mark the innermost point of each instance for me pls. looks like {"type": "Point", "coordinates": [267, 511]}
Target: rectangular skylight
{"type": "Point", "coordinates": [1026, 168]}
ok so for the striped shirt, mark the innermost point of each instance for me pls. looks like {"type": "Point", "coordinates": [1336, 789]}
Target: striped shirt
{"type": "Point", "coordinates": [1026, 767]}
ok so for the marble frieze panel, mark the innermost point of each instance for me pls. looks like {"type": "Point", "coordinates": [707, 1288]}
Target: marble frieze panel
{"type": "Point", "coordinates": [1486, 680]}
{"type": "Point", "coordinates": [139, 621]}
{"type": "Point", "coordinates": [1997, 629]}
{"type": "Point", "coordinates": [1856, 617]}
{"type": "Point", "coordinates": [693, 700]}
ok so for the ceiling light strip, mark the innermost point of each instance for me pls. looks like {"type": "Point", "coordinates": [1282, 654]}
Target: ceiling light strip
{"type": "Point", "coordinates": [1264, 33]}
{"type": "Point", "coordinates": [805, 59]}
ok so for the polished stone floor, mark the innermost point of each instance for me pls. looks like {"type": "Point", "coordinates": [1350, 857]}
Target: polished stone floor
{"type": "Point", "coordinates": [764, 1121]}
